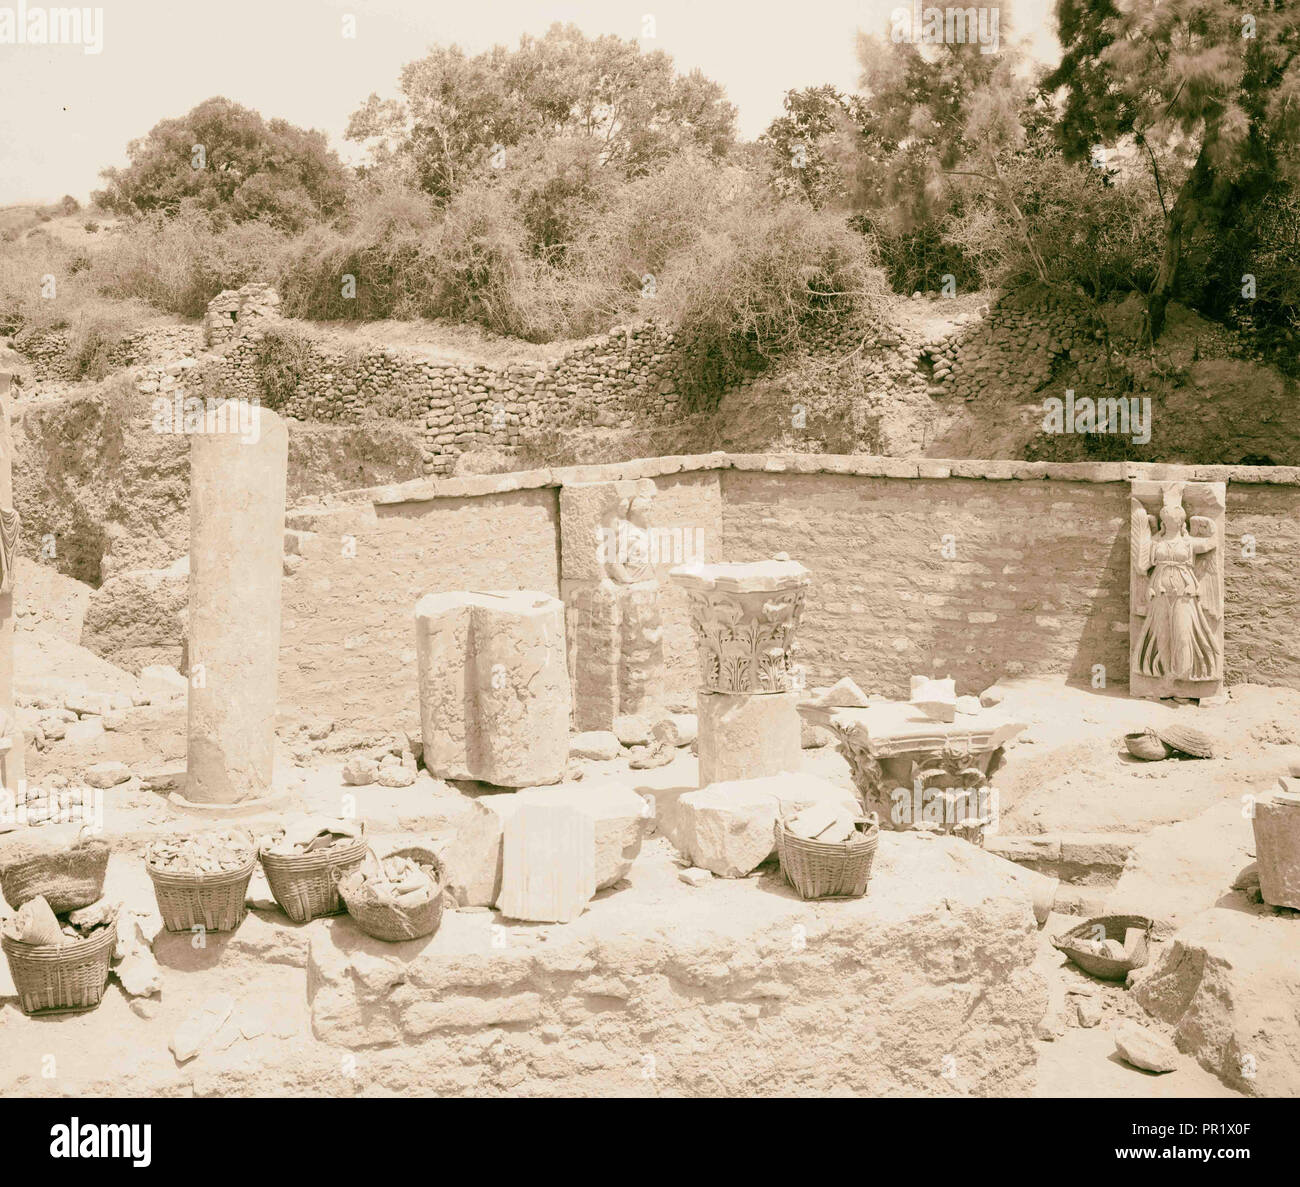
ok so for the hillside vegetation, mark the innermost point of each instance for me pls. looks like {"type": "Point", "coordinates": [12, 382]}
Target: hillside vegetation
{"type": "Point", "coordinates": [560, 187]}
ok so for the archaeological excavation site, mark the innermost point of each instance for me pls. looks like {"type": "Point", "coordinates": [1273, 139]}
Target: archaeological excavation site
{"type": "Point", "coordinates": [581, 580]}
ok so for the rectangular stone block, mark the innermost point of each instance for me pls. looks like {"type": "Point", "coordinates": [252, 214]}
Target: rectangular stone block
{"type": "Point", "coordinates": [1277, 849]}
{"type": "Point", "coordinates": [548, 871]}
{"type": "Point", "coordinates": [747, 736]}
{"type": "Point", "coordinates": [494, 686]}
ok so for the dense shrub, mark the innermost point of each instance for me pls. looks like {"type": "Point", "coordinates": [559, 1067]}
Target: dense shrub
{"type": "Point", "coordinates": [281, 358]}
{"type": "Point", "coordinates": [751, 289]}
{"type": "Point", "coordinates": [229, 161]}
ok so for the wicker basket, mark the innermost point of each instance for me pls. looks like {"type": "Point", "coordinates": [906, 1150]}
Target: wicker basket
{"type": "Point", "coordinates": [1146, 745]}
{"type": "Point", "coordinates": [59, 977]}
{"type": "Point", "coordinates": [68, 879]}
{"type": "Point", "coordinates": [214, 902]}
{"type": "Point", "coordinates": [1187, 740]}
{"type": "Point", "coordinates": [820, 869]}
{"type": "Point", "coordinates": [390, 922]}
{"type": "Point", "coordinates": [305, 885]}
{"type": "Point", "coordinates": [1106, 967]}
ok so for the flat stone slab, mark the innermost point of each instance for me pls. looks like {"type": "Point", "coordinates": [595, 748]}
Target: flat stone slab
{"type": "Point", "coordinates": [752, 577]}
{"type": "Point", "coordinates": [888, 728]}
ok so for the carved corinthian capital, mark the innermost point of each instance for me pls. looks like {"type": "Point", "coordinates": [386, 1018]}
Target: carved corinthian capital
{"type": "Point", "coordinates": [745, 617]}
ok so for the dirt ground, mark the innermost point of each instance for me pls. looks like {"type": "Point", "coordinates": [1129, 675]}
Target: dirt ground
{"type": "Point", "coordinates": [1068, 773]}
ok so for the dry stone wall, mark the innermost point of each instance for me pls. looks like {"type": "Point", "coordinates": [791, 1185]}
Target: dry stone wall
{"type": "Point", "coordinates": [627, 376]}
{"type": "Point", "coordinates": [1016, 346]}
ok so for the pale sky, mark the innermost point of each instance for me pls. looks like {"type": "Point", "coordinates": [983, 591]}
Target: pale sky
{"type": "Point", "coordinates": [66, 114]}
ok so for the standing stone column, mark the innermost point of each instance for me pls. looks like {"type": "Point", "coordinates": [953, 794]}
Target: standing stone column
{"type": "Point", "coordinates": [12, 770]}
{"type": "Point", "coordinates": [237, 491]}
{"type": "Point", "coordinates": [745, 617]}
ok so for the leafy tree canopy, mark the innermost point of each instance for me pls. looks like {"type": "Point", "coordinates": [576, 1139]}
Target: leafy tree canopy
{"type": "Point", "coordinates": [229, 161]}
{"type": "Point", "coordinates": [458, 112]}
{"type": "Point", "coordinates": [1219, 84]}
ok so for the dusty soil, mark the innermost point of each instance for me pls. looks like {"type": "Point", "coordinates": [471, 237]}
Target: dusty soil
{"type": "Point", "coordinates": [1068, 775]}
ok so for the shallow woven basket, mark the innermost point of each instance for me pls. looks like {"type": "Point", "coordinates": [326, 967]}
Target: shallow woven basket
{"type": "Point", "coordinates": [305, 885]}
{"type": "Point", "coordinates": [58, 977]}
{"type": "Point", "coordinates": [68, 879]}
{"type": "Point", "coordinates": [1187, 740]}
{"type": "Point", "coordinates": [1106, 967]}
{"type": "Point", "coordinates": [1146, 746]}
{"type": "Point", "coordinates": [820, 869]}
{"type": "Point", "coordinates": [214, 902]}
{"type": "Point", "coordinates": [390, 922]}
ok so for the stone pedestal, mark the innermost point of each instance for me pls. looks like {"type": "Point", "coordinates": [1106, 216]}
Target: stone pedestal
{"type": "Point", "coordinates": [747, 737]}
{"type": "Point", "coordinates": [237, 490]}
{"type": "Point", "coordinates": [12, 772]}
{"type": "Point", "coordinates": [494, 689]}
{"type": "Point", "coordinates": [1277, 846]}
{"type": "Point", "coordinates": [915, 772]}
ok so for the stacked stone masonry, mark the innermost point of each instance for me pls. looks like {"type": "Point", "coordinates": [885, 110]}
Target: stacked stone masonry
{"type": "Point", "coordinates": [628, 374]}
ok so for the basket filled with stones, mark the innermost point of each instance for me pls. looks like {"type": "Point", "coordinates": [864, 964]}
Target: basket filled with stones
{"type": "Point", "coordinates": [398, 897]}
{"type": "Point", "coordinates": [827, 852]}
{"type": "Point", "coordinates": [58, 967]}
{"type": "Point", "coordinates": [305, 863]}
{"type": "Point", "coordinates": [202, 880]}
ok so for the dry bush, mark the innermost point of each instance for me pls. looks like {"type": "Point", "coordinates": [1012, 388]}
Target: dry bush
{"type": "Point", "coordinates": [750, 290]}
{"type": "Point", "coordinates": [179, 264]}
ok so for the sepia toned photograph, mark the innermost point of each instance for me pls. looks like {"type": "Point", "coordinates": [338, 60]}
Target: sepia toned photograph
{"type": "Point", "coordinates": [682, 551]}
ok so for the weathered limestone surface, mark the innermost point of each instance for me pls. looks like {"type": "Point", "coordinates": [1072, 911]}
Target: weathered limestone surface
{"type": "Point", "coordinates": [1277, 848]}
{"type": "Point", "coordinates": [727, 828]}
{"type": "Point", "coordinates": [237, 493]}
{"type": "Point", "coordinates": [934, 962]}
{"type": "Point", "coordinates": [1179, 870]}
{"type": "Point", "coordinates": [494, 689]}
{"type": "Point", "coordinates": [1227, 982]}
{"type": "Point", "coordinates": [610, 590]}
{"type": "Point", "coordinates": [11, 736]}
{"type": "Point", "coordinates": [548, 865]}
{"type": "Point", "coordinates": [619, 815]}
{"type": "Point", "coordinates": [474, 855]}
{"type": "Point", "coordinates": [747, 737]}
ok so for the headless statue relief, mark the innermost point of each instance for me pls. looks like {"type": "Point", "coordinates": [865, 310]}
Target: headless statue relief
{"type": "Point", "coordinates": [1177, 595]}
{"type": "Point", "coordinates": [640, 631]}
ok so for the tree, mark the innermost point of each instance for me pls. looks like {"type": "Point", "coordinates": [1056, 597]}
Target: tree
{"type": "Point", "coordinates": [811, 149]}
{"type": "Point", "coordinates": [954, 113]}
{"type": "Point", "coordinates": [229, 161]}
{"type": "Point", "coordinates": [458, 112]}
{"type": "Point", "coordinates": [1192, 77]}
